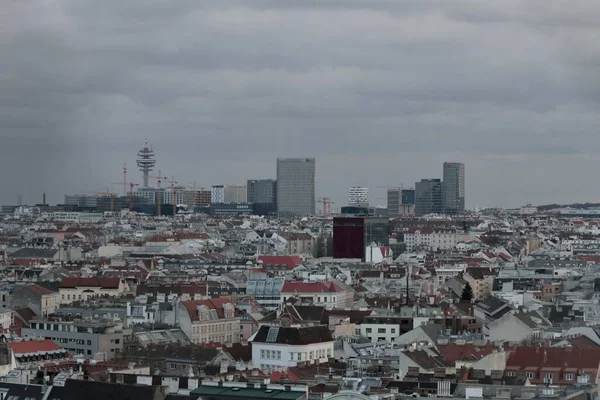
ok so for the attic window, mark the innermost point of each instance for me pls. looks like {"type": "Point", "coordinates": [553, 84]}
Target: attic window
{"type": "Point", "coordinates": [272, 335]}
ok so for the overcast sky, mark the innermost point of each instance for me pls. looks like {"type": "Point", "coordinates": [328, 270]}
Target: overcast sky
{"type": "Point", "coordinates": [380, 92]}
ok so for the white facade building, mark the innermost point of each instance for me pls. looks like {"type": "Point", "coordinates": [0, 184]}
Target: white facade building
{"type": "Point", "coordinates": [528, 210]}
{"type": "Point", "coordinates": [281, 347]}
{"type": "Point", "coordinates": [428, 239]}
{"type": "Point", "coordinates": [358, 196]}
{"type": "Point", "coordinates": [378, 329]}
{"type": "Point", "coordinates": [330, 295]}
{"type": "Point", "coordinates": [6, 318]}
{"type": "Point", "coordinates": [217, 194]}
{"type": "Point", "coordinates": [77, 217]}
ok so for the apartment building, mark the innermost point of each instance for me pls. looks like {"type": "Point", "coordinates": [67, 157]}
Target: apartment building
{"type": "Point", "coordinates": [385, 328]}
{"type": "Point", "coordinates": [209, 321]}
{"type": "Point", "coordinates": [41, 300]}
{"type": "Point", "coordinates": [481, 280]}
{"type": "Point", "coordinates": [282, 347]}
{"type": "Point", "coordinates": [72, 289]}
{"type": "Point", "coordinates": [327, 294]}
{"type": "Point", "coordinates": [100, 339]}
{"type": "Point", "coordinates": [296, 242]}
{"type": "Point", "coordinates": [433, 240]}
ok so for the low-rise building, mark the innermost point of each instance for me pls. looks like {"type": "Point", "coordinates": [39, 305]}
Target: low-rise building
{"type": "Point", "coordinates": [385, 328]}
{"type": "Point", "coordinates": [433, 240]}
{"type": "Point", "coordinates": [481, 280]}
{"type": "Point", "coordinates": [6, 319]}
{"type": "Point", "coordinates": [209, 321]}
{"type": "Point", "coordinates": [39, 299]}
{"type": "Point", "coordinates": [72, 289]}
{"type": "Point", "coordinates": [282, 347]}
{"type": "Point", "coordinates": [30, 353]}
{"type": "Point", "coordinates": [100, 339]}
{"type": "Point", "coordinates": [266, 291]}
{"type": "Point", "coordinates": [327, 294]}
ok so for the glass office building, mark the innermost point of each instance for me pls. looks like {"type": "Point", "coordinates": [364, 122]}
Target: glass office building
{"type": "Point", "coordinates": [295, 187]}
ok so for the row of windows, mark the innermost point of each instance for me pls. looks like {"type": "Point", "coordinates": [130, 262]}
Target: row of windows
{"type": "Point", "coordinates": [214, 339]}
{"type": "Point", "coordinates": [567, 376]}
{"type": "Point", "coordinates": [381, 330]}
{"type": "Point", "coordinates": [212, 328]}
{"type": "Point", "coordinates": [270, 355]}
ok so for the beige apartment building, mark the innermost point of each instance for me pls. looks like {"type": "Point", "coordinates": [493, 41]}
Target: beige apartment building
{"type": "Point", "coordinates": [75, 289]}
{"type": "Point", "coordinates": [209, 321]}
{"type": "Point", "coordinates": [481, 280]}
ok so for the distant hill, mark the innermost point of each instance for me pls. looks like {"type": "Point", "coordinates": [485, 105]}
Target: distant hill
{"type": "Point", "coordinates": [584, 206]}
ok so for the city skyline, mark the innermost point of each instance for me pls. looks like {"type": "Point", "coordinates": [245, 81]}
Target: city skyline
{"type": "Point", "coordinates": [383, 96]}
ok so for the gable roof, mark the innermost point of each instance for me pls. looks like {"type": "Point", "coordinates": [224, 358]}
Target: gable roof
{"type": "Point", "coordinates": [290, 262]}
{"type": "Point", "coordinates": [554, 357]}
{"type": "Point", "coordinates": [212, 304]}
{"type": "Point", "coordinates": [30, 252]}
{"type": "Point", "coordinates": [101, 282]}
{"type": "Point", "coordinates": [33, 347]}
{"type": "Point", "coordinates": [533, 319]}
{"type": "Point", "coordinates": [453, 352]}
{"type": "Point", "coordinates": [311, 287]}
{"type": "Point", "coordinates": [294, 335]}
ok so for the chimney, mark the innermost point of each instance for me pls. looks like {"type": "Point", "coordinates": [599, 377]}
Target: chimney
{"type": "Point", "coordinates": [44, 199]}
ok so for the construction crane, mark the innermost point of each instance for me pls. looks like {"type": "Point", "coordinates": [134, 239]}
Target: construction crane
{"type": "Point", "coordinates": [131, 186]}
{"type": "Point", "coordinates": [112, 198]}
{"type": "Point", "coordinates": [401, 186]}
{"type": "Point", "coordinates": [173, 182]}
{"type": "Point", "coordinates": [159, 179]}
{"type": "Point", "coordinates": [326, 202]}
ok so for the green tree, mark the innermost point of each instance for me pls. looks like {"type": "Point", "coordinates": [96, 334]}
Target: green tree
{"type": "Point", "coordinates": [467, 293]}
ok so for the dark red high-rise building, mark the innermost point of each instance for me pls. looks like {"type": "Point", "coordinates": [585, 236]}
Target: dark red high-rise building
{"type": "Point", "coordinates": [351, 235]}
{"type": "Point", "coordinates": [348, 237]}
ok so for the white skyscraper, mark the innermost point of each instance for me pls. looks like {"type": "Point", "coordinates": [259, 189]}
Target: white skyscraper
{"type": "Point", "coordinates": [358, 196]}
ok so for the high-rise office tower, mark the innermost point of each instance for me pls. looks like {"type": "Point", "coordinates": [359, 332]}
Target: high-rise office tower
{"type": "Point", "coordinates": [393, 202]}
{"type": "Point", "coordinates": [358, 196]}
{"type": "Point", "coordinates": [295, 187]}
{"type": "Point", "coordinates": [235, 194]}
{"type": "Point", "coordinates": [408, 196]}
{"type": "Point", "coordinates": [428, 197]}
{"type": "Point", "coordinates": [454, 188]}
{"type": "Point", "coordinates": [262, 193]}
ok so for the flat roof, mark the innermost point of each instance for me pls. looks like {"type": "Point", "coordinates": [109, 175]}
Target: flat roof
{"type": "Point", "coordinates": [220, 391]}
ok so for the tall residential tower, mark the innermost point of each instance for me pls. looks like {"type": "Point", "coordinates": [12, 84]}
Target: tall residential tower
{"type": "Point", "coordinates": [358, 196]}
{"type": "Point", "coordinates": [295, 187]}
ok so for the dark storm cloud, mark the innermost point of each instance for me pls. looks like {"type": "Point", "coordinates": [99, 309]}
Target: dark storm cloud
{"type": "Point", "coordinates": [380, 92]}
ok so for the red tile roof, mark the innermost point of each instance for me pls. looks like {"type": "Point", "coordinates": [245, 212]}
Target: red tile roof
{"type": "Point", "coordinates": [33, 346]}
{"type": "Point", "coordinates": [582, 342]}
{"type": "Point", "coordinates": [290, 262]}
{"type": "Point", "coordinates": [554, 357]}
{"type": "Point", "coordinates": [104, 283]}
{"type": "Point", "coordinates": [453, 352]}
{"type": "Point", "coordinates": [310, 287]}
{"type": "Point", "coordinates": [40, 290]}
{"type": "Point", "coordinates": [213, 304]}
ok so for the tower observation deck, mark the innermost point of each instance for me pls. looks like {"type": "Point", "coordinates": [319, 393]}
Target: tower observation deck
{"type": "Point", "coordinates": [146, 161]}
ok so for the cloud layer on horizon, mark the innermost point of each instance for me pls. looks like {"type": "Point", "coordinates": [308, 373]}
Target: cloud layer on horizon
{"type": "Point", "coordinates": [380, 93]}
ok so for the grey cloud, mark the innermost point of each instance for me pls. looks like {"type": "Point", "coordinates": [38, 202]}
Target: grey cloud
{"type": "Point", "coordinates": [380, 93]}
